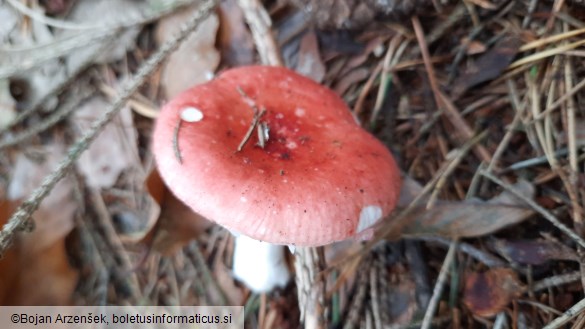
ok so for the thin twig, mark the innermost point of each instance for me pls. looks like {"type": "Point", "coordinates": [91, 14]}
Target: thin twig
{"type": "Point", "coordinates": [50, 121]}
{"type": "Point", "coordinates": [557, 280]}
{"type": "Point", "coordinates": [567, 316]}
{"type": "Point", "coordinates": [258, 114]}
{"type": "Point", "coordinates": [547, 215]}
{"type": "Point", "coordinates": [20, 219]}
{"type": "Point", "coordinates": [259, 21]}
{"type": "Point", "coordinates": [176, 141]}
{"type": "Point", "coordinates": [438, 290]}
{"type": "Point", "coordinates": [480, 255]}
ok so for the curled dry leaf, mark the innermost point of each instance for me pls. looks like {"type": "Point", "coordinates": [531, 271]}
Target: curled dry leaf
{"type": "Point", "coordinates": [9, 261]}
{"type": "Point", "coordinates": [196, 59]}
{"type": "Point", "coordinates": [7, 104]}
{"type": "Point", "coordinates": [535, 252]}
{"type": "Point", "coordinates": [489, 65]}
{"type": "Point", "coordinates": [310, 63]}
{"type": "Point", "coordinates": [54, 217]}
{"type": "Point", "coordinates": [401, 295]}
{"type": "Point", "coordinates": [105, 14]}
{"type": "Point", "coordinates": [39, 258]}
{"type": "Point", "coordinates": [177, 224]}
{"type": "Point", "coordinates": [488, 293]}
{"type": "Point", "coordinates": [234, 38]}
{"type": "Point", "coordinates": [227, 284]}
{"type": "Point", "coordinates": [113, 152]}
{"type": "Point", "coordinates": [469, 218]}
{"type": "Point", "coordinates": [44, 278]}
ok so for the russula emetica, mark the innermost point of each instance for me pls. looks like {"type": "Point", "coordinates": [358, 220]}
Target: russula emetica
{"type": "Point", "coordinates": [273, 156]}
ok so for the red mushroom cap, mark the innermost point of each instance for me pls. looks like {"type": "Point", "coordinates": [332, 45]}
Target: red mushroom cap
{"type": "Point", "coordinates": [316, 176]}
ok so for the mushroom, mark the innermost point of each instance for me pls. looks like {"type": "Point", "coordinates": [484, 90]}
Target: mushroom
{"type": "Point", "coordinates": [277, 159]}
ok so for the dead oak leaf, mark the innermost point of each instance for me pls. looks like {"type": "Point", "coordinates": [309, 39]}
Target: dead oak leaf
{"type": "Point", "coordinates": [488, 293]}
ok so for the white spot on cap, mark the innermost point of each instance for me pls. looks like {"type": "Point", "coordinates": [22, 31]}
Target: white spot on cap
{"type": "Point", "coordinates": [368, 217]}
{"type": "Point", "coordinates": [300, 112]}
{"type": "Point", "coordinates": [243, 199]}
{"type": "Point", "coordinates": [279, 115]}
{"type": "Point", "coordinates": [291, 145]}
{"type": "Point", "coordinates": [191, 114]}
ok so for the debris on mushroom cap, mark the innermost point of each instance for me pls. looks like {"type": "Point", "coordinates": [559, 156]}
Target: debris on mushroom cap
{"type": "Point", "coordinates": [308, 182]}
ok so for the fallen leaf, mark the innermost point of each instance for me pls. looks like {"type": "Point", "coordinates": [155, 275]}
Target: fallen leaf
{"type": "Point", "coordinates": [401, 296]}
{"type": "Point", "coordinates": [54, 217]}
{"type": "Point", "coordinates": [227, 284]}
{"type": "Point", "coordinates": [309, 63]}
{"type": "Point", "coordinates": [488, 66]}
{"type": "Point", "coordinates": [196, 59]}
{"type": "Point", "coordinates": [105, 13]}
{"type": "Point", "coordinates": [488, 293]}
{"type": "Point", "coordinates": [177, 224]}
{"type": "Point", "coordinates": [353, 77]}
{"type": "Point", "coordinates": [234, 39]}
{"type": "Point", "coordinates": [44, 277]}
{"type": "Point", "coordinates": [9, 20]}
{"type": "Point", "coordinates": [535, 252]}
{"type": "Point", "coordinates": [9, 261]}
{"type": "Point", "coordinates": [39, 258]}
{"type": "Point", "coordinates": [7, 104]}
{"type": "Point", "coordinates": [113, 152]}
{"type": "Point", "coordinates": [473, 47]}
{"type": "Point", "coordinates": [469, 218]}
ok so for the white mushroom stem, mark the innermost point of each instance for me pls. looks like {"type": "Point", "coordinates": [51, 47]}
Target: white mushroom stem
{"type": "Point", "coordinates": [261, 266]}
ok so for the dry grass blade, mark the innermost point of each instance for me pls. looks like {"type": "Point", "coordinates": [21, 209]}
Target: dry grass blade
{"type": "Point", "coordinates": [437, 291]}
{"type": "Point", "coordinates": [547, 215]}
{"type": "Point", "coordinates": [567, 316]}
{"type": "Point", "coordinates": [545, 54]}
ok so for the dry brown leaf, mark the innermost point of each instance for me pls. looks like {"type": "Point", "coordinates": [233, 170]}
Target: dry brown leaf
{"type": "Point", "coordinates": [468, 218]}
{"type": "Point", "coordinates": [234, 38]}
{"type": "Point", "coordinates": [474, 47]}
{"type": "Point", "coordinates": [196, 59]}
{"type": "Point", "coordinates": [8, 263]}
{"type": "Point", "coordinates": [113, 151]}
{"type": "Point", "coordinates": [7, 104]}
{"type": "Point", "coordinates": [226, 282]}
{"type": "Point", "coordinates": [463, 219]}
{"type": "Point", "coordinates": [104, 13]}
{"type": "Point", "coordinates": [310, 63]}
{"type": "Point", "coordinates": [535, 252]}
{"type": "Point", "coordinates": [54, 217]}
{"type": "Point", "coordinates": [44, 277]}
{"type": "Point", "coordinates": [39, 257]}
{"type": "Point", "coordinates": [487, 294]}
{"type": "Point", "coordinates": [489, 65]}
{"type": "Point", "coordinates": [350, 79]}
{"type": "Point", "coordinates": [177, 224]}
{"type": "Point", "coordinates": [402, 295]}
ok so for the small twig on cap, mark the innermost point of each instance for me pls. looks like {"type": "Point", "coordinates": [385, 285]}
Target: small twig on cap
{"type": "Point", "coordinates": [258, 114]}
{"type": "Point", "coordinates": [176, 142]}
